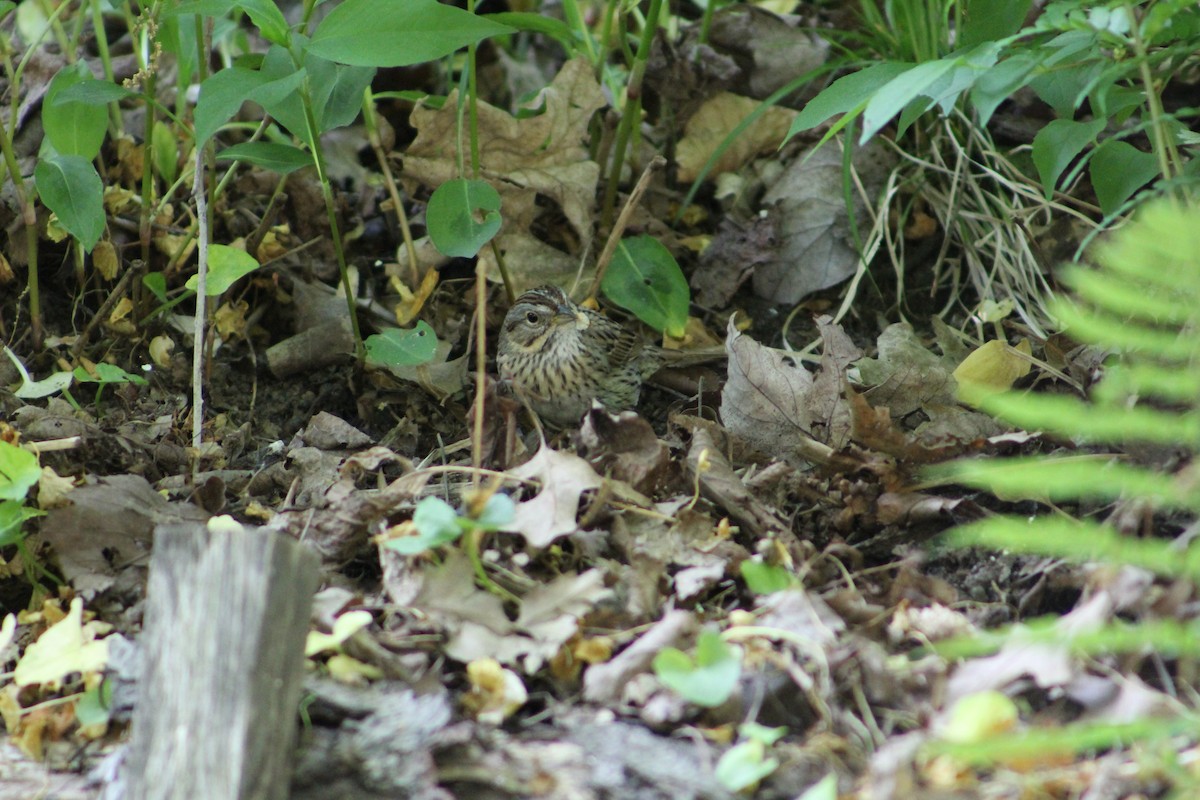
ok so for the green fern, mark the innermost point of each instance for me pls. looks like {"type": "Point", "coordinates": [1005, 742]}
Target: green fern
{"type": "Point", "coordinates": [1142, 301]}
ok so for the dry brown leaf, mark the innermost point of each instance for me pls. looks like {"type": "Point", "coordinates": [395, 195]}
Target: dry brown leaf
{"type": "Point", "coordinates": [714, 120]}
{"type": "Point", "coordinates": [564, 477]}
{"type": "Point", "coordinates": [763, 399]}
{"type": "Point", "coordinates": [816, 249]}
{"type": "Point", "coordinates": [542, 156]}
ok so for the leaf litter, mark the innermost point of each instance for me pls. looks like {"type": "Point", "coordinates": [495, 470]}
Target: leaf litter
{"type": "Point", "coordinates": [630, 536]}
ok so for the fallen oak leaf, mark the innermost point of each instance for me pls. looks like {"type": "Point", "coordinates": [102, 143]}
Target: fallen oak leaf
{"type": "Point", "coordinates": [551, 513]}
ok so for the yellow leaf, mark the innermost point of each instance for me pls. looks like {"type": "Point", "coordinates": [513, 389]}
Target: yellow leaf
{"type": "Point", "coordinates": [65, 647]}
{"type": "Point", "coordinates": [991, 368]}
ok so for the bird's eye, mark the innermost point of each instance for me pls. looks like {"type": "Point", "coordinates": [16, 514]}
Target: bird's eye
{"type": "Point", "coordinates": [531, 317]}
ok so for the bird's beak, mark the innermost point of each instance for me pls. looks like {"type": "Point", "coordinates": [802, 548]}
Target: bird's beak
{"type": "Point", "coordinates": [563, 315]}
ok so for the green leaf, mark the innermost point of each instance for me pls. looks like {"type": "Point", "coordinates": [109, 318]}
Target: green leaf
{"type": "Point", "coordinates": [226, 266]}
{"type": "Point", "coordinates": [1118, 169]}
{"type": "Point", "coordinates": [164, 152]}
{"type": "Point", "coordinates": [497, 512]}
{"type": "Point", "coordinates": [19, 471]}
{"type": "Point", "coordinates": [824, 789]}
{"type": "Point", "coordinates": [538, 23]}
{"type": "Point", "coordinates": [13, 514]}
{"type": "Point", "coordinates": [891, 98]}
{"type": "Point", "coordinates": [70, 187]}
{"type": "Point", "coordinates": [398, 33]}
{"type": "Point", "coordinates": [221, 95]}
{"type": "Point", "coordinates": [267, 17]}
{"type": "Point", "coordinates": [278, 158]}
{"type": "Point", "coordinates": [710, 679]}
{"type": "Point", "coordinates": [336, 91]}
{"type": "Point", "coordinates": [94, 705]}
{"type": "Point", "coordinates": [644, 278]}
{"type": "Point", "coordinates": [999, 83]}
{"type": "Point", "coordinates": [1064, 88]}
{"type": "Point", "coordinates": [156, 282]}
{"type": "Point", "coordinates": [991, 20]}
{"type": "Point", "coordinates": [942, 81]}
{"type": "Point", "coordinates": [451, 216]}
{"type": "Point", "coordinates": [1058, 479]}
{"type": "Point", "coordinates": [402, 348]}
{"type": "Point", "coordinates": [73, 128]}
{"type": "Point", "coordinates": [31, 389]}
{"type": "Point", "coordinates": [91, 92]}
{"type": "Point", "coordinates": [763, 578]}
{"type": "Point", "coordinates": [847, 93]}
{"type": "Point", "coordinates": [743, 766]}
{"type": "Point", "coordinates": [108, 373]}
{"type": "Point", "coordinates": [437, 524]}
{"type": "Point", "coordinates": [1057, 144]}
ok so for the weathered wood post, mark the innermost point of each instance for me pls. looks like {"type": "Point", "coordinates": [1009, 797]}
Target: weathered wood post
{"type": "Point", "coordinates": [226, 618]}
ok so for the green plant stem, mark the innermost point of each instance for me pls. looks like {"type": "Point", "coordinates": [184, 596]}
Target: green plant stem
{"type": "Point", "coordinates": [29, 221]}
{"type": "Point", "coordinates": [114, 111]}
{"type": "Point", "coordinates": [1164, 147]}
{"type": "Point", "coordinates": [575, 21]}
{"type": "Point", "coordinates": [632, 113]}
{"type": "Point", "coordinates": [706, 23]}
{"type": "Point", "coordinates": [335, 233]}
{"type": "Point", "coordinates": [474, 539]}
{"type": "Point", "coordinates": [371, 122]}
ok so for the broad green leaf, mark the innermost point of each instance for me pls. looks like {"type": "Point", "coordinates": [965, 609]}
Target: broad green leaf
{"type": "Point", "coordinates": [91, 92]}
{"type": "Point", "coordinates": [94, 706]}
{"type": "Point", "coordinates": [398, 33]}
{"type": "Point", "coordinates": [437, 523]}
{"type": "Point", "coordinates": [164, 152]}
{"type": "Point", "coordinates": [1057, 144]}
{"type": "Point", "coordinates": [267, 17]}
{"type": "Point", "coordinates": [497, 512]}
{"type": "Point", "coordinates": [552, 27]}
{"type": "Point", "coordinates": [743, 766]}
{"type": "Point", "coordinates": [847, 93]}
{"type": "Point", "coordinates": [400, 348]}
{"type": "Point", "coordinates": [204, 8]}
{"type": "Point", "coordinates": [453, 216]}
{"type": "Point", "coordinates": [13, 514]}
{"type": "Point", "coordinates": [156, 282]}
{"type": "Point", "coordinates": [1118, 169]}
{"type": "Point", "coordinates": [645, 279]}
{"type": "Point", "coordinates": [6, 6]}
{"type": "Point", "coordinates": [70, 187]}
{"type": "Point", "coordinates": [108, 373]}
{"type": "Point", "coordinates": [177, 33]}
{"type": "Point", "coordinates": [1064, 88]}
{"type": "Point", "coordinates": [31, 389]}
{"type": "Point", "coordinates": [336, 90]}
{"type": "Point", "coordinates": [279, 158]}
{"type": "Point", "coordinates": [74, 128]}
{"type": "Point", "coordinates": [221, 95]}
{"type": "Point", "coordinates": [226, 266]}
{"type": "Point", "coordinates": [893, 96]}
{"type": "Point", "coordinates": [708, 680]}
{"type": "Point", "coordinates": [991, 20]}
{"type": "Point", "coordinates": [19, 471]}
{"type": "Point", "coordinates": [763, 578]}
{"type": "Point", "coordinates": [999, 83]}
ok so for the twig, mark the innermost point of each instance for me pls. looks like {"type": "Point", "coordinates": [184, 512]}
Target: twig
{"type": "Point", "coordinates": [614, 236]}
